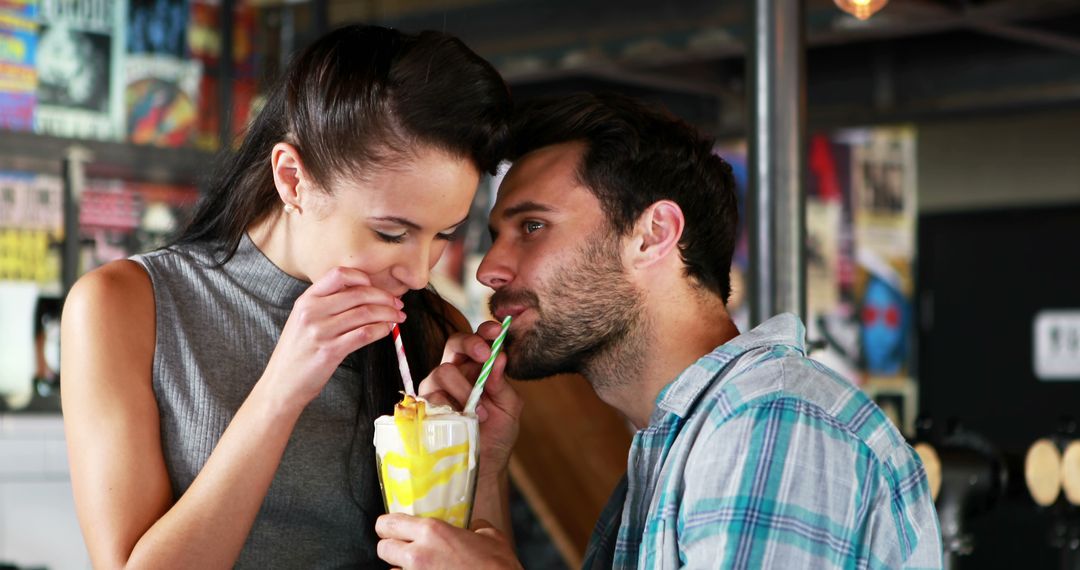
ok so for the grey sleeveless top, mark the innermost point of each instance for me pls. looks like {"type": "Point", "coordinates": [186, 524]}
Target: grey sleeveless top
{"type": "Point", "coordinates": [216, 329]}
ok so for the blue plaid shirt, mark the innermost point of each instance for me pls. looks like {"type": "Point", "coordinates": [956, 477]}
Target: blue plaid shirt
{"type": "Point", "coordinates": [759, 457]}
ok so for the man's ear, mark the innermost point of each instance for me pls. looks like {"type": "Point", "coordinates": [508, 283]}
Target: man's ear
{"type": "Point", "coordinates": [657, 233]}
{"type": "Point", "coordinates": [289, 174]}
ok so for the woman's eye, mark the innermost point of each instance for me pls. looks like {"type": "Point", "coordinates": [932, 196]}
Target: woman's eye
{"type": "Point", "coordinates": [390, 238]}
{"type": "Point", "coordinates": [532, 226]}
{"type": "Point", "coordinates": [452, 236]}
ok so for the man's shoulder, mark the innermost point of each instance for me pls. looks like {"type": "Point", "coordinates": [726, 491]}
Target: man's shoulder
{"type": "Point", "coordinates": [783, 379]}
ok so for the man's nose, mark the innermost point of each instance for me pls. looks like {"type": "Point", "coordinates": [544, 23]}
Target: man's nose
{"type": "Point", "coordinates": [496, 269]}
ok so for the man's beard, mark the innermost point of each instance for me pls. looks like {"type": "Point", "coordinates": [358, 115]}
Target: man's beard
{"type": "Point", "coordinates": [588, 324]}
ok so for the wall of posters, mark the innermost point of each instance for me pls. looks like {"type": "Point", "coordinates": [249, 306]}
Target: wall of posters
{"type": "Point", "coordinates": [117, 219]}
{"type": "Point", "coordinates": [79, 69]}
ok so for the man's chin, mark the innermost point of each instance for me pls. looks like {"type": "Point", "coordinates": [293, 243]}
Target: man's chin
{"type": "Point", "coordinates": [527, 373]}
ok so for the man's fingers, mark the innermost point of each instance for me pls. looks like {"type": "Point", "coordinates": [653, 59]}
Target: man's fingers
{"type": "Point", "coordinates": [397, 526]}
{"type": "Point", "coordinates": [441, 398]}
{"type": "Point", "coordinates": [489, 330]}
{"type": "Point", "coordinates": [461, 348]}
{"type": "Point", "coordinates": [499, 393]}
{"type": "Point", "coordinates": [394, 551]}
{"type": "Point", "coordinates": [478, 524]}
{"type": "Point", "coordinates": [447, 378]}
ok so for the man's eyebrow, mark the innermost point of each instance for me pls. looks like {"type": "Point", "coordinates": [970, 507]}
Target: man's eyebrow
{"type": "Point", "coordinates": [526, 206]}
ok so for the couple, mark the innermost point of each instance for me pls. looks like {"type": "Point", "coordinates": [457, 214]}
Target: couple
{"type": "Point", "coordinates": [219, 394]}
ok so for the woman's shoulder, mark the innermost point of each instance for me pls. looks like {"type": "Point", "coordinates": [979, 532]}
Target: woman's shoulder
{"type": "Point", "coordinates": [119, 292]}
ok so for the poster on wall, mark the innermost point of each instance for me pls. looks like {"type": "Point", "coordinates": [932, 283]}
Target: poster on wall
{"type": "Point", "coordinates": [30, 231]}
{"type": "Point", "coordinates": [121, 218]}
{"type": "Point", "coordinates": [18, 77]}
{"type": "Point", "coordinates": [860, 247]}
{"type": "Point", "coordinates": [162, 97]}
{"type": "Point", "coordinates": [79, 68]}
{"type": "Point", "coordinates": [161, 84]}
{"type": "Point", "coordinates": [883, 204]}
{"type": "Point", "coordinates": [30, 228]}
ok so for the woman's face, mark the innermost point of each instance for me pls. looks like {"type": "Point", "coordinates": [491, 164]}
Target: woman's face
{"type": "Point", "coordinates": [393, 225]}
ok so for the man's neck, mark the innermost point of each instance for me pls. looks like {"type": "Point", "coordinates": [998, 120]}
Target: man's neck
{"type": "Point", "coordinates": [630, 376]}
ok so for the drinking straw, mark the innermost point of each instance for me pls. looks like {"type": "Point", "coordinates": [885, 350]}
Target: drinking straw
{"type": "Point", "coordinates": [478, 388]}
{"type": "Point", "coordinates": [403, 363]}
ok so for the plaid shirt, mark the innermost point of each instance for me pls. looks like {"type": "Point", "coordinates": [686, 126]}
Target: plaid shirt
{"type": "Point", "coordinates": [759, 457]}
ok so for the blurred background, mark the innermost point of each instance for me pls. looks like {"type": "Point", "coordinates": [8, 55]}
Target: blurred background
{"type": "Point", "coordinates": [921, 155]}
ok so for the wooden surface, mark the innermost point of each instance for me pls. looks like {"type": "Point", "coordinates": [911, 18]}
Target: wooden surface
{"type": "Point", "coordinates": [569, 456]}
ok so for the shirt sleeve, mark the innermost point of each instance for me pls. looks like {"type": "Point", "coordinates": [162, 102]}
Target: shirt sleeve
{"type": "Point", "coordinates": [781, 484]}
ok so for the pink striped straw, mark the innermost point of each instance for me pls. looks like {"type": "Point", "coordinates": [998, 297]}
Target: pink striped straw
{"type": "Point", "coordinates": [403, 363]}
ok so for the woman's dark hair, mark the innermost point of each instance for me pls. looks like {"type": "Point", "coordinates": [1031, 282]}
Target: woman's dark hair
{"type": "Point", "coordinates": [358, 99]}
{"type": "Point", "coordinates": [634, 156]}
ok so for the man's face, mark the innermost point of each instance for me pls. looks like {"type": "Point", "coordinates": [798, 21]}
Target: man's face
{"type": "Point", "coordinates": [556, 267]}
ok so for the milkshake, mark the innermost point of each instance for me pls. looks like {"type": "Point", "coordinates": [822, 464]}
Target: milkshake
{"type": "Point", "coordinates": [427, 458]}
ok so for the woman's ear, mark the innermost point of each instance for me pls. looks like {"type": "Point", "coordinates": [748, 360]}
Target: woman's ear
{"type": "Point", "coordinates": [289, 175]}
{"type": "Point", "coordinates": [657, 233]}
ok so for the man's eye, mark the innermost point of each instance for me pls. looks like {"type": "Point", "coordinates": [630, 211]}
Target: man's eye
{"type": "Point", "coordinates": [532, 226]}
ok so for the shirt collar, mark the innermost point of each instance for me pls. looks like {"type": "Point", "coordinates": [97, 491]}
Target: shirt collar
{"type": "Point", "coordinates": [680, 395]}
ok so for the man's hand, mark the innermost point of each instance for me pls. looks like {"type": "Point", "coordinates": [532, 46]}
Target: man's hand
{"type": "Point", "coordinates": [411, 542]}
{"type": "Point", "coordinates": [499, 410]}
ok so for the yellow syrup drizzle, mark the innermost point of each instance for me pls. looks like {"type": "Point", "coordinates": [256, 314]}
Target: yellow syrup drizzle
{"type": "Point", "coordinates": [409, 418]}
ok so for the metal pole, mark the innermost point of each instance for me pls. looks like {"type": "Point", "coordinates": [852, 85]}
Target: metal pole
{"type": "Point", "coordinates": [74, 177]}
{"type": "Point", "coordinates": [776, 196]}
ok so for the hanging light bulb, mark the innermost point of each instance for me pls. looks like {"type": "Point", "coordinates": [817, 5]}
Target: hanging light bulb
{"type": "Point", "coordinates": [861, 9]}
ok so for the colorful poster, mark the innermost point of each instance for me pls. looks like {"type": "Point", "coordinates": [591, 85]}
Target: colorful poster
{"type": "Point", "coordinates": [31, 225]}
{"type": "Point", "coordinates": [18, 77]}
{"type": "Point", "coordinates": [162, 87]}
{"type": "Point", "coordinates": [79, 55]}
{"type": "Point", "coordinates": [883, 190]}
{"type": "Point", "coordinates": [162, 99]}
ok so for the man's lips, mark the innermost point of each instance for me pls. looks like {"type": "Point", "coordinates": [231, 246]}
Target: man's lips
{"type": "Point", "coordinates": [503, 311]}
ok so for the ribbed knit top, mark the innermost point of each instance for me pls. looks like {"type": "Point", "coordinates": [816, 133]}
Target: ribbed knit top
{"type": "Point", "coordinates": [216, 329]}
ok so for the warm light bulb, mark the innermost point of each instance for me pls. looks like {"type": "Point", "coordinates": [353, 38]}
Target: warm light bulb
{"type": "Point", "coordinates": [861, 9]}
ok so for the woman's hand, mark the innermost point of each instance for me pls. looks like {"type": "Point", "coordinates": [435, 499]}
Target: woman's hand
{"type": "Point", "coordinates": [340, 313]}
{"type": "Point", "coordinates": [499, 410]}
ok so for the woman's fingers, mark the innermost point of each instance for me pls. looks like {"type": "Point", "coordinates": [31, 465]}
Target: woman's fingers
{"type": "Point", "coordinates": [337, 279]}
{"type": "Point", "coordinates": [360, 337]}
{"type": "Point", "coordinates": [361, 316]}
{"type": "Point", "coordinates": [357, 296]}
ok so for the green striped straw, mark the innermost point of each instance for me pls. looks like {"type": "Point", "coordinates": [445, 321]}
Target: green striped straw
{"type": "Point", "coordinates": [478, 388]}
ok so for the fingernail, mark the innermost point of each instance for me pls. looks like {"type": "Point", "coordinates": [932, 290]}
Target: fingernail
{"type": "Point", "coordinates": [402, 316]}
{"type": "Point", "coordinates": [400, 304]}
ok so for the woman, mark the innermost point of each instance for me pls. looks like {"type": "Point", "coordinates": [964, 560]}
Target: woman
{"type": "Point", "coordinates": [219, 394]}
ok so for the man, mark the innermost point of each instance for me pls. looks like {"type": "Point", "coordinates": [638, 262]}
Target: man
{"type": "Point", "coordinates": [613, 237]}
